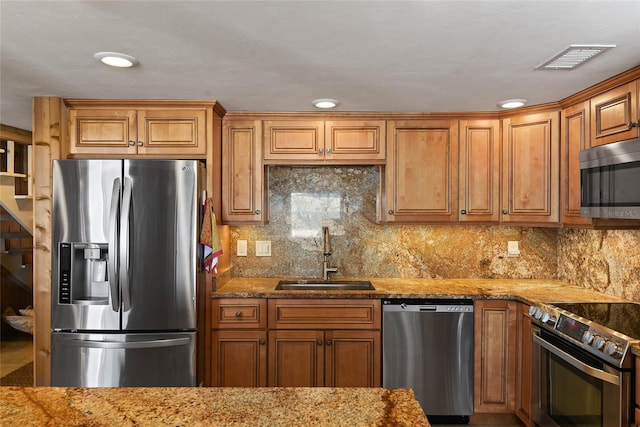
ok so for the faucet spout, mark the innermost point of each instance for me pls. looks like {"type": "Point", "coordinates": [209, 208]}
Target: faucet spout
{"type": "Point", "coordinates": [327, 241]}
{"type": "Point", "coordinates": [326, 268]}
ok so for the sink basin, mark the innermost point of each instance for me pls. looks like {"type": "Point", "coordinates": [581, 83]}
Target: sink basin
{"type": "Point", "coordinates": [323, 285]}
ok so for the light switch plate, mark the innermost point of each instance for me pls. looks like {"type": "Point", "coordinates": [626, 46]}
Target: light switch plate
{"type": "Point", "coordinates": [513, 249]}
{"type": "Point", "coordinates": [241, 248]}
{"type": "Point", "coordinates": [263, 247]}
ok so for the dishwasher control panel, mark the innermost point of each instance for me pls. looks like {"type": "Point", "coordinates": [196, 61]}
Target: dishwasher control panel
{"type": "Point", "coordinates": [428, 305]}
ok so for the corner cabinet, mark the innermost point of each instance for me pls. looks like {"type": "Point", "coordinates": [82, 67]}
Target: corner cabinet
{"type": "Point", "coordinates": [615, 114]}
{"type": "Point", "coordinates": [242, 173]}
{"type": "Point", "coordinates": [494, 356]}
{"type": "Point", "coordinates": [421, 174]}
{"type": "Point", "coordinates": [179, 129]}
{"type": "Point", "coordinates": [332, 343]}
{"type": "Point", "coordinates": [306, 141]}
{"type": "Point", "coordinates": [531, 155]}
{"type": "Point", "coordinates": [479, 167]}
{"type": "Point", "coordinates": [239, 340]}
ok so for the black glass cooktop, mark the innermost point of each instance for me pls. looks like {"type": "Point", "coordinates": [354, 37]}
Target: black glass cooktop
{"type": "Point", "coordinates": [622, 317]}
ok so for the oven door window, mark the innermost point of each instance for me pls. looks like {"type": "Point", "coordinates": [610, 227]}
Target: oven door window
{"type": "Point", "coordinates": [573, 398]}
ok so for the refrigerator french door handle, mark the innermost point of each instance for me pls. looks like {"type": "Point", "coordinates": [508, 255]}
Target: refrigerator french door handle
{"type": "Point", "coordinates": [113, 245]}
{"type": "Point", "coordinates": [124, 244]}
{"type": "Point", "coordinates": [171, 342]}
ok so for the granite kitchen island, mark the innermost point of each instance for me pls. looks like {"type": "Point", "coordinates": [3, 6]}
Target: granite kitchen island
{"type": "Point", "coordinates": [210, 406]}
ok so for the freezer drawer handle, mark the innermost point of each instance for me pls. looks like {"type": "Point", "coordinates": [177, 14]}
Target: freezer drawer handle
{"type": "Point", "coordinates": [173, 342]}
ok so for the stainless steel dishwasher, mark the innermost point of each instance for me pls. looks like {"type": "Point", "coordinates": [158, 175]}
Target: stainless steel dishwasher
{"type": "Point", "coordinates": [428, 346]}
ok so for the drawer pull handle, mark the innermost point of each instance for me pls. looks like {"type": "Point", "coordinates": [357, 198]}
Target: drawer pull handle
{"type": "Point", "coordinates": [238, 314]}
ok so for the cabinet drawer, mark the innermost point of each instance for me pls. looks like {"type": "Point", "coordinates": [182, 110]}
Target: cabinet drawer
{"type": "Point", "coordinates": [239, 313]}
{"type": "Point", "coordinates": [324, 314]}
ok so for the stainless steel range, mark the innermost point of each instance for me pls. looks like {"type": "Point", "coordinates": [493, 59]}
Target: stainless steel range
{"type": "Point", "coordinates": [582, 363]}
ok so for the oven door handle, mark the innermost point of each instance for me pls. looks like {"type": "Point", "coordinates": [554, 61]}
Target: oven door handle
{"type": "Point", "coordinates": [589, 370]}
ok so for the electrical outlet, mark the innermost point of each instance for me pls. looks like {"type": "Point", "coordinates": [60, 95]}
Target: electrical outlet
{"type": "Point", "coordinates": [513, 249]}
{"type": "Point", "coordinates": [263, 247]}
{"type": "Point", "coordinates": [241, 249]}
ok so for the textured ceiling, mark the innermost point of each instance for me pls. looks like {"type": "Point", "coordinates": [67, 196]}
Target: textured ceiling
{"type": "Point", "coordinates": [390, 56]}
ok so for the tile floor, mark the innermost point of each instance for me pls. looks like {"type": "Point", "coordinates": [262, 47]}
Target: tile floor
{"type": "Point", "coordinates": [14, 354]}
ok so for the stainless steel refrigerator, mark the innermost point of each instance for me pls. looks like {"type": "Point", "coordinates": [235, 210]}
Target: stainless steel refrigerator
{"type": "Point", "coordinates": [126, 269]}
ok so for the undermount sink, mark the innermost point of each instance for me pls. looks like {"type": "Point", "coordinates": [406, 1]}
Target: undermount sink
{"type": "Point", "coordinates": [325, 285]}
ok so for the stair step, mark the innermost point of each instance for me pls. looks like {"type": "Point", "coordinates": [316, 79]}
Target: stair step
{"type": "Point", "coordinates": [19, 251]}
{"type": "Point", "coordinates": [15, 235]}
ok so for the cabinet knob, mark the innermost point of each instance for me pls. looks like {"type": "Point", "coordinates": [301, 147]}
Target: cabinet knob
{"type": "Point", "coordinates": [329, 342]}
{"type": "Point", "coordinates": [319, 341]}
{"type": "Point", "coordinates": [320, 151]}
{"type": "Point", "coordinates": [140, 144]}
{"type": "Point", "coordinates": [463, 211]}
{"type": "Point", "coordinates": [132, 143]}
{"type": "Point", "coordinates": [261, 341]}
{"type": "Point", "coordinates": [328, 150]}
{"type": "Point", "coordinates": [257, 212]}
{"type": "Point", "coordinates": [238, 314]}
{"type": "Point", "coordinates": [505, 212]}
{"type": "Point", "coordinates": [391, 212]}
{"type": "Point", "coordinates": [634, 124]}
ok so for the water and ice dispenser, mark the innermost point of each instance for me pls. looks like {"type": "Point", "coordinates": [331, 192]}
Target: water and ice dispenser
{"type": "Point", "coordinates": [83, 274]}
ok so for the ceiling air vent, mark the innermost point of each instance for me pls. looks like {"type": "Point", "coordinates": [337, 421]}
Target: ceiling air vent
{"type": "Point", "coordinates": [573, 56]}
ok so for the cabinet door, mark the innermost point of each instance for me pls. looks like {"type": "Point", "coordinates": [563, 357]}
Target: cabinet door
{"type": "Point", "coordinates": [479, 187]}
{"type": "Point", "coordinates": [421, 172]}
{"type": "Point", "coordinates": [495, 356]}
{"type": "Point", "coordinates": [242, 173]}
{"type": "Point", "coordinates": [352, 358]}
{"type": "Point", "coordinates": [102, 131]}
{"type": "Point", "coordinates": [177, 133]}
{"type": "Point", "coordinates": [531, 169]}
{"type": "Point", "coordinates": [614, 113]}
{"type": "Point", "coordinates": [575, 137]}
{"type": "Point", "coordinates": [240, 358]}
{"type": "Point", "coordinates": [294, 140]}
{"type": "Point", "coordinates": [355, 141]}
{"type": "Point", "coordinates": [523, 365]}
{"type": "Point", "coordinates": [296, 358]}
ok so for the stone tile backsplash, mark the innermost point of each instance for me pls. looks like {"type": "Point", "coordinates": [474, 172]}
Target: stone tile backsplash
{"type": "Point", "coordinates": [304, 199]}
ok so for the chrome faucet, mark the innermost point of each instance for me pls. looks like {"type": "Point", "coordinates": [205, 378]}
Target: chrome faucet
{"type": "Point", "coordinates": [326, 269]}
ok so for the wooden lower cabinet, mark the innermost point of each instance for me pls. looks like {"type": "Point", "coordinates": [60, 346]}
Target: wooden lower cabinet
{"type": "Point", "coordinates": [240, 358]}
{"type": "Point", "coordinates": [305, 343]}
{"type": "Point", "coordinates": [637, 413]}
{"type": "Point", "coordinates": [523, 365]}
{"type": "Point", "coordinates": [495, 356]}
{"type": "Point", "coordinates": [316, 358]}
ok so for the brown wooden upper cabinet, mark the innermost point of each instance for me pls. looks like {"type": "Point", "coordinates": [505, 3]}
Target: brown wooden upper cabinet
{"type": "Point", "coordinates": [530, 181]}
{"type": "Point", "coordinates": [242, 173]}
{"type": "Point", "coordinates": [615, 115]}
{"type": "Point", "coordinates": [345, 141]}
{"type": "Point", "coordinates": [421, 175]}
{"type": "Point", "coordinates": [98, 128]}
{"type": "Point", "coordinates": [479, 181]}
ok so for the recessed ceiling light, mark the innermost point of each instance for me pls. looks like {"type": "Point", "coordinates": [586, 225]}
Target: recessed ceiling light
{"type": "Point", "coordinates": [324, 103]}
{"type": "Point", "coordinates": [512, 103]}
{"type": "Point", "coordinates": [573, 56]}
{"type": "Point", "coordinates": [116, 59]}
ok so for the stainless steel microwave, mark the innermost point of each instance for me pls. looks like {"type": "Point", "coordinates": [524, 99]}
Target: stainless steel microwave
{"type": "Point", "coordinates": [610, 180]}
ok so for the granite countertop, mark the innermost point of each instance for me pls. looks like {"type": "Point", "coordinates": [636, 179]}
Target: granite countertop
{"type": "Point", "coordinates": [191, 406]}
{"type": "Point", "coordinates": [529, 291]}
